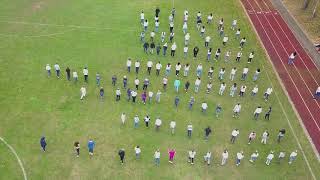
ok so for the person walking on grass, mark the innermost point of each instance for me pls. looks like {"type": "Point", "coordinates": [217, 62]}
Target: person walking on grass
{"type": "Point", "coordinates": [158, 95]}
{"type": "Point", "coordinates": [236, 110]}
{"type": "Point", "coordinates": [147, 120]}
{"type": "Point", "coordinates": [176, 101]}
{"type": "Point", "coordinates": [204, 107]}
{"type": "Point", "coordinates": [265, 136]}
{"type": "Point", "coordinates": [186, 69]}
{"type": "Point", "coordinates": [177, 85]}
{"type": "Point", "coordinates": [227, 56]}
{"type": "Point", "coordinates": [251, 55]}
{"type": "Point", "coordinates": [189, 130]}
{"type": "Point", "coordinates": [192, 155]}
{"type": "Point", "coordinates": [267, 93]}
{"type": "Point", "coordinates": [158, 68]}
{"type": "Point", "coordinates": [43, 143]}
{"type": "Point", "coordinates": [136, 121]}
{"type": "Point", "coordinates": [178, 68]}
{"type": "Point", "coordinates": [85, 74]}
{"type": "Point", "coordinates": [98, 77]}
{"type": "Point", "coordinates": [254, 91]}
{"type": "Point", "coordinates": [173, 127]}
{"type": "Point", "coordinates": [238, 32]}
{"type": "Point", "coordinates": [207, 132]}
{"type": "Point", "coordinates": [144, 97]}
{"type": "Point", "coordinates": [137, 66]}
{"type": "Point", "coordinates": [233, 89]}
{"type": "Point", "coordinates": [68, 71]}
{"type": "Point", "coordinates": [123, 118]}
{"type": "Point", "coordinates": [165, 82]}
{"type": "Point", "coordinates": [221, 74]}
{"type": "Point", "coordinates": [207, 41]}
{"type": "Point", "coordinates": [269, 158]}
{"type": "Point", "coordinates": [157, 157]}
{"type": "Point", "coordinates": [209, 87]}
{"type": "Point", "coordinates": [191, 102]}
{"type": "Point", "coordinates": [129, 62]}
{"type": "Point", "coordinates": [171, 153]}
{"type": "Point", "coordinates": [114, 80]}
{"type": "Point", "coordinates": [91, 145]}
{"type": "Point", "coordinates": [281, 156]}
{"type": "Point", "coordinates": [244, 73]}
{"type": "Point", "coordinates": [242, 42]}
{"type": "Point", "coordinates": [129, 94]}
{"type": "Point", "coordinates": [195, 51]}
{"type": "Point", "coordinates": [268, 113]}
{"type": "Point", "coordinates": [293, 156]}
{"type": "Point", "coordinates": [225, 156]}
{"type": "Point", "coordinates": [118, 94]}
{"type": "Point", "coordinates": [150, 96]}
{"type": "Point", "coordinates": [149, 67]}
{"type": "Point", "coordinates": [218, 110]}
{"type": "Point", "coordinates": [158, 123]}
{"type": "Point", "coordinates": [125, 82]}
{"type": "Point", "coordinates": [207, 158]}
{"type": "Point", "coordinates": [137, 151]}
{"type": "Point", "coordinates": [233, 73]}
{"type": "Point", "coordinates": [257, 112]}
{"type": "Point", "coordinates": [173, 49]}
{"type": "Point", "coordinates": [101, 93]}
{"type": "Point", "coordinates": [121, 154]}
{"type": "Point", "coordinates": [197, 85]}
{"type": "Point", "coordinates": [239, 157]}
{"type": "Point", "coordinates": [48, 69]}
{"type": "Point", "coordinates": [186, 86]}
{"type": "Point", "coordinates": [239, 54]}
{"type": "Point", "coordinates": [281, 134]}
{"type": "Point", "coordinates": [83, 92]}
{"type": "Point", "coordinates": [158, 49]}
{"type": "Point", "coordinates": [254, 156]}
{"type": "Point", "coordinates": [292, 57]}
{"type": "Point", "coordinates": [251, 137]}
{"type": "Point", "coordinates": [234, 135]}
{"type": "Point", "coordinates": [242, 90]}
{"type": "Point", "coordinates": [57, 68]}
{"type": "Point", "coordinates": [77, 148]}
{"type": "Point", "coordinates": [210, 72]}
{"type": "Point", "coordinates": [134, 95]}
{"type": "Point", "coordinates": [165, 47]}
{"type": "Point", "coordinates": [222, 88]}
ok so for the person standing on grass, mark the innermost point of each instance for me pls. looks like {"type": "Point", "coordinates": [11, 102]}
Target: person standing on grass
{"type": "Point", "coordinates": [233, 89]}
{"type": "Point", "coordinates": [225, 156]}
{"type": "Point", "coordinates": [265, 136]}
{"type": "Point", "coordinates": [189, 130]}
{"type": "Point", "coordinates": [77, 148]}
{"type": "Point", "coordinates": [123, 118]}
{"type": "Point", "coordinates": [254, 157]}
{"type": "Point", "coordinates": [236, 110]}
{"type": "Point", "coordinates": [251, 55]}
{"type": "Point", "coordinates": [136, 121]}
{"type": "Point", "coordinates": [251, 137]}
{"type": "Point", "coordinates": [207, 41]}
{"type": "Point", "coordinates": [242, 42]}
{"type": "Point", "coordinates": [145, 47]}
{"type": "Point", "coordinates": [137, 151]}
{"type": "Point", "coordinates": [142, 35]}
{"type": "Point", "coordinates": [149, 66]}
{"type": "Point", "coordinates": [317, 94]}
{"type": "Point", "coordinates": [207, 132]}
{"type": "Point", "coordinates": [98, 77]}
{"type": "Point", "coordinates": [136, 83]}
{"type": "Point", "coordinates": [244, 73]}
{"type": "Point", "coordinates": [218, 110]}
{"type": "Point", "coordinates": [186, 86]}
{"type": "Point", "coordinates": [172, 127]}
{"type": "Point", "coordinates": [178, 68]}
{"type": "Point", "coordinates": [114, 80]}
{"type": "Point", "coordinates": [209, 18]}
{"type": "Point", "coordinates": [177, 85]}
{"type": "Point", "coordinates": [220, 24]}
{"type": "Point", "coordinates": [209, 87]}
{"type": "Point", "coordinates": [225, 40]}
{"type": "Point", "coordinates": [191, 102]}
{"type": "Point", "coordinates": [129, 64]}
{"type": "Point", "coordinates": [197, 85]}
{"type": "Point", "coordinates": [293, 156]}
{"type": "Point", "coordinates": [121, 154]}
{"type": "Point", "coordinates": [145, 25]}
{"type": "Point", "coordinates": [171, 153]}
{"type": "Point", "coordinates": [242, 90]}
{"type": "Point", "coordinates": [147, 120]}
{"type": "Point", "coordinates": [125, 82]}
{"type": "Point", "coordinates": [129, 94]}
{"type": "Point", "coordinates": [281, 134]}
{"type": "Point", "coordinates": [48, 69]}
{"type": "Point", "coordinates": [134, 95]}
{"type": "Point", "coordinates": [168, 69]}
{"type": "Point", "coordinates": [222, 88]}
{"type": "Point", "coordinates": [150, 95]}
{"type": "Point", "coordinates": [101, 92]}
{"type": "Point", "coordinates": [204, 107]}
{"type": "Point", "coordinates": [239, 54]}
{"type": "Point", "coordinates": [239, 157]}
{"type": "Point", "coordinates": [234, 135]}
{"type": "Point", "coordinates": [217, 55]}
{"type": "Point", "coordinates": [57, 68]}
{"type": "Point", "coordinates": [281, 156]}
{"type": "Point", "coordinates": [195, 51]}
{"type": "Point", "coordinates": [199, 70]}
{"type": "Point", "coordinates": [221, 31]}
{"type": "Point", "coordinates": [158, 68]}
{"type": "Point", "coordinates": [91, 145]}
{"type": "Point", "coordinates": [156, 24]}
{"type": "Point", "coordinates": [158, 95]}
{"type": "Point", "coordinates": [192, 155]}
{"type": "Point", "coordinates": [157, 157]}
{"type": "Point", "coordinates": [202, 31]}
{"type": "Point", "coordinates": [234, 24]}
{"type": "Point", "coordinates": [75, 76]}
{"type": "Point", "coordinates": [83, 92]}
{"type": "Point", "coordinates": [85, 74]}
{"type": "Point", "coordinates": [171, 25]}
{"type": "Point", "coordinates": [142, 17]}
{"type": "Point", "coordinates": [257, 112]}
{"type": "Point", "coordinates": [256, 75]}
{"type": "Point", "coordinates": [238, 32]}
{"type": "Point", "coordinates": [158, 49]}
{"type": "Point", "coordinates": [165, 82]}
{"type": "Point", "coordinates": [268, 93]}
{"type": "Point", "coordinates": [176, 101]}
{"type": "Point", "coordinates": [267, 115]}
{"type": "Point", "coordinates": [254, 91]}
{"type": "Point", "coordinates": [43, 143]}
{"type": "Point", "coordinates": [163, 36]}
{"type": "Point", "coordinates": [118, 94]}
{"type": "Point", "coordinates": [207, 158]}
{"type": "Point", "coordinates": [152, 47]}
{"type": "Point", "coordinates": [165, 47]}
{"type": "Point", "coordinates": [173, 49]}
{"type": "Point", "coordinates": [210, 72]}
{"type": "Point", "coordinates": [186, 39]}
{"type": "Point", "coordinates": [269, 158]}
{"type": "Point", "coordinates": [158, 123]}
{"type": "Point", "coordinates": [146, 83]}
{"type": "Point", "coordinates": [68, 73]}
{"type": "Point", "coordinates": [186, 70]}
{"type": "Point", "coordinates": [209, 52]}
{"type": "Point", "coordinates": [137, 66]}
{"type": "Point", "coordinates": [171, 36]}
{"type": "Point", "coordinates": [292, 57]}
{"type": "Point", "coordinates": [233, 73]}
{"type": "Point", "coordinates": [144, 97]}
{"type": "Point", "coordinates": [227, 56]}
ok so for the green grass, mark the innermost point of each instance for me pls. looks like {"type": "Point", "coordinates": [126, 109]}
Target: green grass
{"type": "Point", "coordinates": [33, 105]}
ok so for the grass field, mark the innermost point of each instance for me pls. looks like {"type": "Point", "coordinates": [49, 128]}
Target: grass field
{"type": "Point", "coordinates": [102, 35]}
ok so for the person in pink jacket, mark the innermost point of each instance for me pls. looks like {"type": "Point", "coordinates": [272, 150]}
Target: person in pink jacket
{"type": "Point", "coordinates": [171, 153]}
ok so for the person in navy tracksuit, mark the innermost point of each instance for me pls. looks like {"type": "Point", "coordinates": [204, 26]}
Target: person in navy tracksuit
{"type": "Point", "coordinates": [43, 143]}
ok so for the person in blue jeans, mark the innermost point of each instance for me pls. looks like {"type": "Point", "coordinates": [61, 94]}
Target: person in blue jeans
{"type": "Point", "coordinates": [91, 145]}
{"type": "Point", "coordinates": [43, 143]}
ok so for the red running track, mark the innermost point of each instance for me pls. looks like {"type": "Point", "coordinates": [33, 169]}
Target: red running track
{"type": "Point", "coordinates": [300, 79]}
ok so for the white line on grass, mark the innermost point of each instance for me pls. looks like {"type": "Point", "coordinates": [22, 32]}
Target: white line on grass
{"type": "Point", "coordinates": [281, 105]}
{"type": "Point", "coordinates": [36, 36]}
{"type": "Point", "coordinates": [16, 155]}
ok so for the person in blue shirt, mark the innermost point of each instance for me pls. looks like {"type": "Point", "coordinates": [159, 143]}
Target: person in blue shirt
{"type": "Point", "coordinates": [91, 145]}
{"type": "Point", "coordinates": [43, 143]}
{"type": "Point", "coordinates": [177, 85]}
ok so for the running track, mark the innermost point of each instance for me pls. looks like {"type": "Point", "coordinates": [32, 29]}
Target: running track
{"type": "Point", "coordinates": [301, 79]}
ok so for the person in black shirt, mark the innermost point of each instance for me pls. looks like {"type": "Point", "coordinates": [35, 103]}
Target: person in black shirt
{"type": "Point", "coordinates": [195, 51]}
{"type": "Point", "coordinates": [207, 132]}
{"type": "Point", "coordinates": [114, 80]}
{"type": "Point", "coordinates": [267, 116]}
{"type": "Point", "coordinates": [121, 155]}
{"type": "Point", "coordinates": [101, 92]}
{"type": "Point", "coordinates": [152, 46]}
{"type": "Point", "coordinates": [158, 48]}
{"type": "Point", "coordinates": [157, 11]}
{"type": "Point", "coordinates": [186, 86]}
{"type": "Point", "coordinates": [281, 134]}
{"type": "Point", "coordinates": [145, 47]}
{"type": "Point", "coordinates": [68, 73]}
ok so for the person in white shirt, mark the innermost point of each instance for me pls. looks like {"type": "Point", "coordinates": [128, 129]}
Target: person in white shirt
{"type": "Point", "coordinates": [129, 64]}
{"type": "Point", "coordinates": [156, 25]}
{"type": "Point", "coordinates": [233, 89]}
{"type": "Point", "coordinates": [192, 155]}
{"type": "Point", "coordinates": [225, 40]}
{"type": "Point", "coordinates": [149, 66]}
{"type": "Point", "coordinates": [236, 110]}
{"type": "Point", "coordinates": [186, 70]}
{"type": "Point", "coordinates": [150, 94]}
{"type": "Point", "coordinates": [281, 156]}
{"type": "Point", "coordinates": [118, 94]}
{"type": "Point", "coordinates": [238, 33]}
{"type": "Point", "coordinates": [158, 95]}
{"type": "Point", "coordinates": [221, 74]}
{"type": "Point", "coordinates": [165, 82]}
{"type": "Point", "coordinates": [222, 88]}
{"type": "Point", "coordinates": [207, 158]}
{"type": "Point", "coordinates": [158, 123]}
{"type": "Point", "coordinates": [267, 93]}
{"type": "Point", "coordinates": [173, 49]}
{"type": "Point", "coordinates": [292, 57]}
{"type": "Point", "coordinates": [137, 66]}
{"type": "Point", "coordinates": [254, 91]}
{"type": "Point", "coordinates": [220, 24]}
{"type": "Point", "coordinates": [186, 39]}
{"type": "Point", "coordinates": [172, 127]}
{"type": "Point", "coordinates": [163, 35]}
{"type": "Point", "coordinates": [207, 40]}
{"type": "Point", "coordinates": [197, 85]}
{"type": "Point", "coordinates": [225, 156]}
{"type": "Point", "coordinates": [85, 74]}
{"type": "Point", "coordinates": [293, 156]}
{"type": "Point", "coordinates": [256, 74]}
{"type": "Point", "coordinates": [186, 15]}
{"type": "Point", "coordinates": [251, 137]}
{"type": "Point", "coordinates": [244, 73]}
{"type": "Point", "coordinates": [48, 69]}
{"type": "Point", "coordinates": [209, 18]}
{"type": "Point", "coordinates": [209, 87]}
{"type": "Point", "coordinates": [210, 72]}
{"type": "Point", "coordinates": [251, 55]}
{"type": "Point", "coordinates": [189, 130]}
{"type": "Point", "coordinates": [257, 112]}
{"type": "Point", "coordinates": [242, 42]}
{"type": "Point", "coordinates": [239, 54]}
{"type": "Point", "coordinates": [204, 107]}
{"type": "Point", "coordinates": [202, 31]}
{"type": "Point", "coordinates": [234, 135]}
{"type": "Point", "coordinates": [240, 156]}
{"type": "Point", "coordinates": [168, 69]}
{"type": "Point", "coordinates": [242, 90]}
{"type": "Point", "coordinates": [142, 17]}
{"type": "Point", "coordinates": [254, 156]}
{"type": "Point", "coordinates": [152, 35]}
{"type": "Point", "coordinates": [233, 73]}
{"type": "Point", "coordinates": [265, 136]}
{"type": "Point", "coordinates": [234, 24]}
{"type": "Point", "coordinates": [57, 68]}
{"type": "Point", "coordinates": [185, 27]}
{"type": "Point", "coordinates": [199, 70]}
{"type": "Point", "coordinates": [269, 158]}
{"type": "Point", "coordinates": [123, 118]}
{"type": "Point", "coordinates": [147, 120]}
{"type": "Point", "coordinates": [136, 83]}
{"type": "Point", "coordinates": [137, 150]}
{"type": "Point", "coordinates": [158, 67]}
{"type": "Point", "coordinates": [185, 51]}
{"type": "Point", "coordinates": [75, 76]}
{"type": "Point", "coordinates": [170, 18]}
{"type": "Point", "coordinates": [136, 121]}
{"type": "Point", "coordinates": [83, 92]}
{"type": "Point", "coordinates": [227, 56]}
{"type": "Point", "coordinates": [178, 68]}
{"type": "Point", "coordinates": [157, 157]}
{"type": "Point", "coordinates": [317, 94]}
{"type": "Point", "coordinates": [145, 25]}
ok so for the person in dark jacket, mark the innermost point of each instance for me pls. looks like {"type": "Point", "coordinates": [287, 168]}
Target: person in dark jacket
{"type": "Point", "coordinates": [195, 51]}
{"type": "Point", "coordinates": [121, 154]}
{"type": "Point", "coordinates": [281, 134]}
{"type": "Point", "coordinates": [157, 11]}
{"type": "Point", "coordinates": [207, 132]}
{"type": "Point", "coordinates": [43, 143]}
{"type": "Point", "coordinates": [158, 48]}
{"type": "Point", "coordinates": [77, 148]}
{"type": "Point", "coordinates": [101, 92]}
{"type": "Point", "coordinates": [145, 47]}
{"type": "Point", "coordinates": [68, 73]}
